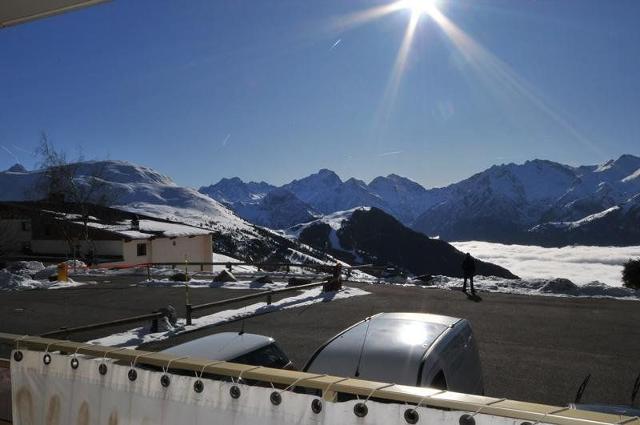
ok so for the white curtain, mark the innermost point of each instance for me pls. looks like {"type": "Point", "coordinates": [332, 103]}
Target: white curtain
{"type": "Point", "coordinates": [58, 394]}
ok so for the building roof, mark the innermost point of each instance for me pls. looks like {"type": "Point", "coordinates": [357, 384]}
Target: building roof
{"type": "Point", "coordinates": [147, 229]}
{"type": "Point", "coordinates": [110, 220]}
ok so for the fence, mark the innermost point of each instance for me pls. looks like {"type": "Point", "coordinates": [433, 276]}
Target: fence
{"type": "Point", "coordinates": [260, 266]}
{"type": "Point", "coordinates": [413, 398]}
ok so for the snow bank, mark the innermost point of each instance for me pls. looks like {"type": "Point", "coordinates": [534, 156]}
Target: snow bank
{"type": "Point", "coordinates": [203, 283]}
{"type": "Point", "coordinates": [13, 282]}
{"type": "Point", "coordinates": [138, 336]}
{"type": "Point", "coordinates": [17, 282]}
{"type": "Point", "coordinates": [545, 287]}
{"type": "Point", "coordinates": [23, 275]}
{"type": "Point", "coordinates": [580, 264]}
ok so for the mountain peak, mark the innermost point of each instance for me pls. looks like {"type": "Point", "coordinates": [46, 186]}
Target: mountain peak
{"type": "Point", "coordinates": [232, 180]}
{"type": "Point", "coordinates": [325, 172]}
{"type": "Point", "coordinates": [324, 176]}
{"type": "Point", "coordinates": [17, 168]}
{"type": "Point", "coordinates": [626, 164]}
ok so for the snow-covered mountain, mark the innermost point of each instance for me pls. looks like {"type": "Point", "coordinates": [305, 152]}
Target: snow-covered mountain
{"type": "Point", "coordinates": [142, 190]}
{"type": "Point", "coordinates": [324, 192]}
{"type": "Point", "coordinates": [371, 236]}
{"type": "Point", "coordinates": [506, 203]}
{"type": "Point", "coordinates": [525, 202]}
{"type": "Point", "coordinates": [233, 190]}
{"type": "Point", "coordinates": [277, 209]}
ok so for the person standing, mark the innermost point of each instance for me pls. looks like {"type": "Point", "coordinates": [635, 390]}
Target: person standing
{"type": "Point", "coordinates": [468, 271]}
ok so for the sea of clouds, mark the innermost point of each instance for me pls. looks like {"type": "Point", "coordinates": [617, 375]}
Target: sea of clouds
{"type": "Point", "coordinates": [580, 264]}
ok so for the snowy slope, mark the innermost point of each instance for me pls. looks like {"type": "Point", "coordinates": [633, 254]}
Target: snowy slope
{"type": "Point", "coordinates": [278, 209]}
{"type": "Point", "coordinates": [137, 189]}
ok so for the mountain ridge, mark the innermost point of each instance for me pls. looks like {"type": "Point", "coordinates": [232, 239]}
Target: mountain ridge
{"type": "Point", "coordinates": [505, 203]}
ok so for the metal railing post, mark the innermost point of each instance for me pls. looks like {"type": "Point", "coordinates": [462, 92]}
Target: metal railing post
{"type": "Point", "coordinates": [188, 309]}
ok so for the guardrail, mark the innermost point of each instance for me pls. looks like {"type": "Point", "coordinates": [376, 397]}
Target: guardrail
{"type": "Point", "coordinates": [133, 319]}
{"type": "Point", "coordinates": [189, 309]}
{"type": "Point", "coordinates": [530, 412]}
{"type": "Point", "coordinates": [268, 294]}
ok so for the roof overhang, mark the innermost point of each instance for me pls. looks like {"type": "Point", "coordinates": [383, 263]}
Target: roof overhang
{"type": "Point", "coordinates": [14, 12]}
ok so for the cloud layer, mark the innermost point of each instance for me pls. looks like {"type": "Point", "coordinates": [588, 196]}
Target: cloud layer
{"type": "Point", "coordinates": [580, 264]}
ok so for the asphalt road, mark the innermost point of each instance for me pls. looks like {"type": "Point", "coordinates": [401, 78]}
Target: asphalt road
{"type": "Point", "coordinates": [532, 348]}
{"type": "Point", "coordinates": [37, 311]}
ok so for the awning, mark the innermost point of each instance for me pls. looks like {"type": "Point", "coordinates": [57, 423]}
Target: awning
{"type": "Point", "coordinates": [14, 12]}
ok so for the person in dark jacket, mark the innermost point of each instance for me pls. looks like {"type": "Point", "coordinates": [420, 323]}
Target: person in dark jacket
{"type": "Point", "coordinates": [468, 271]}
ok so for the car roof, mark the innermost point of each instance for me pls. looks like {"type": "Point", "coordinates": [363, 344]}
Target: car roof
{"type": "Point", "coordinates": [221, 346]}
{"type": "Point", "coordinates": [392, 352]}
{"type": "Point", "coordinates": [611, 409]}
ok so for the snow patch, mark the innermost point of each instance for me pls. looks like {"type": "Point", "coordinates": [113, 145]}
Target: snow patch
{"type": "Point", "coordinates": [540, 287]}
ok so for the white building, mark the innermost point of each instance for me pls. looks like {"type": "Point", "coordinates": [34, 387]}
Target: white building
{"type": "Point", "coordinates": [106, 236]}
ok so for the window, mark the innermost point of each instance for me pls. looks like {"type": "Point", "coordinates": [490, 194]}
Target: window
{"type": "Point", "coordinates": [269, 356]}
{"type": "Point", "coordinates": [142, 249]}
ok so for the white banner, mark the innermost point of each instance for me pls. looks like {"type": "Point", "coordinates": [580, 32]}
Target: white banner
{"type": "Point", "coordinates": [53, 389]}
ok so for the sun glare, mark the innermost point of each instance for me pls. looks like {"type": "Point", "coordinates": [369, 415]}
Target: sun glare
{"type": "Point", "coordinates": [420, 7]}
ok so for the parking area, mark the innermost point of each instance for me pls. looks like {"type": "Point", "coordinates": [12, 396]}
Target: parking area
{"type": "Point", "coordinates": [533, 348]}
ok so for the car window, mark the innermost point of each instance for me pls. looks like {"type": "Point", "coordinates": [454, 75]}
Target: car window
{"type": "Point", "coordinates": [269, 356]}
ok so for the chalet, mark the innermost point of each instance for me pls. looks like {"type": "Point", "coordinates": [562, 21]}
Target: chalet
{"type": "Point", "coordinates": [95, 234]}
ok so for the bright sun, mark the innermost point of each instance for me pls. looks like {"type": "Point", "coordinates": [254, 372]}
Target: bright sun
{"type": "Point", "coordinates": [419, 7]}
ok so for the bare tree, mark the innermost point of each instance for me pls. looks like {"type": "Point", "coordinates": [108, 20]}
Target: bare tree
{"type": "Point", "coordinates": [72, 185]}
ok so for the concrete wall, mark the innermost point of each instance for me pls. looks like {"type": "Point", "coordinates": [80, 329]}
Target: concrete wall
{"type": "Point", "coordinates": [171, 250]}
{"type": "Point", "coordinates": [130, 252]}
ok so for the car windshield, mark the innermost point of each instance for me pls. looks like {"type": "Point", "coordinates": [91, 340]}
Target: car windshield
{"type": "Point", "coordinates": [269, 356]}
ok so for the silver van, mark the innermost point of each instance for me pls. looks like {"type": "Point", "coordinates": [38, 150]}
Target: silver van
{"type": "Point", "coordinates": [426, 350]}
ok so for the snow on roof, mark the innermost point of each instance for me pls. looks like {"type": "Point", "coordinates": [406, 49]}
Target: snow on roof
{"type": "Point", "coordinates": [147, 229]}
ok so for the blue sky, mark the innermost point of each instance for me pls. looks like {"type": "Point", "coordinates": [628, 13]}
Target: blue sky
{"type": "Point", "coordinates": [275, 90]}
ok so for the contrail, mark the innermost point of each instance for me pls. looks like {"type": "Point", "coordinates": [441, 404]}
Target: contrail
{"type": "Point", "coordinates": [390, 153]}
{"type": "Point", "coordinates": [226, 140]}
{"type": "Point", "coordinates": [10, 153]}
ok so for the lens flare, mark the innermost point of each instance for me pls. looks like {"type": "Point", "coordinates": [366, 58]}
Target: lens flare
{"type": "Point", "coordinates": [501, 80]}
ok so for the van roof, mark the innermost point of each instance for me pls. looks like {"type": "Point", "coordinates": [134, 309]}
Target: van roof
{"type": "Point", "coordinates": [392, 352]}
{"type": "Point", "coordinates": [221, 346]}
